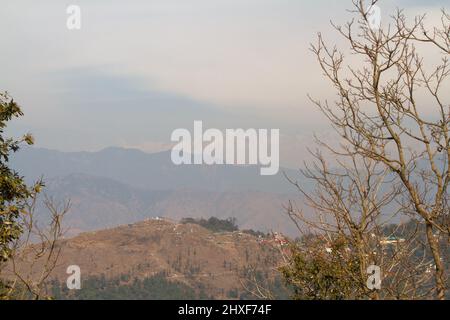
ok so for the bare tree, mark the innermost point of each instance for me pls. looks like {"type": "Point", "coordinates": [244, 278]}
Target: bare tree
{"type": "Point", "coordinates": [354, 206]}
{"type": "Point", "coordinates": [394, 149]}
{"type": "Point", "coordinates": [254, 286]}
{"type": "Point", "coordinates": [390, 109]}
{"type": "Point", "coordinates": [35, 254]}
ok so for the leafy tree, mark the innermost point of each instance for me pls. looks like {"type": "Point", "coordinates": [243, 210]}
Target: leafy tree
{"type": "Point", "coordinates": [13, 190]}
{"type": "Point", "coordinates": [214, 224]}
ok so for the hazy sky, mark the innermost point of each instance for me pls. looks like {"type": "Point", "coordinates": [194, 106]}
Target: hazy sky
{"type": "Point", "coordinates": [139, 69]}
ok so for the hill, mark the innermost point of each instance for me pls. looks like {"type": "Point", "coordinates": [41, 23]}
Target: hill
{"type": "Point", "coordinates": [186, 256]}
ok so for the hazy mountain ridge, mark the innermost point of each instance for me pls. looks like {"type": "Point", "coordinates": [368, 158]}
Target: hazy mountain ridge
{"type": "Point", "coordinates": [119, 186]}
{"type": "Point", "coordinates": [153, 171]}
{"type": "Point", "coordinates": [98, 203]}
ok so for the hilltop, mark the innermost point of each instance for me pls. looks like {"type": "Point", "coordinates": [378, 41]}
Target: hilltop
{"type": "Point", "coordinates": [206, 263]}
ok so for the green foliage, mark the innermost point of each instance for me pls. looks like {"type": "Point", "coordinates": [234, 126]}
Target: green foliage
{"type": "Point", "coordinates": [317, 274]}
{"type": "Point", "coordinates": [13, 191]}
{"type": "Point", "coordinates": [214, 224]}
{"type": "Point", "coordinates": [222, 225]}
{"type": "Point", "coordinates": [157, 287]}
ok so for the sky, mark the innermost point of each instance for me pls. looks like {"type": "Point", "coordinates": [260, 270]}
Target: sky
{"type": "Point", "coordinates": [139, 69]}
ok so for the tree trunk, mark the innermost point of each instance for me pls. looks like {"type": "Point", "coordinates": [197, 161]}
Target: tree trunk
{"type": "Point", "coordinates": [439, 273]}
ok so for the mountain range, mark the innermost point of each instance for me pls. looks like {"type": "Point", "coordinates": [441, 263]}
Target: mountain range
{"type": "Point", "coordinates": [117, 186]}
